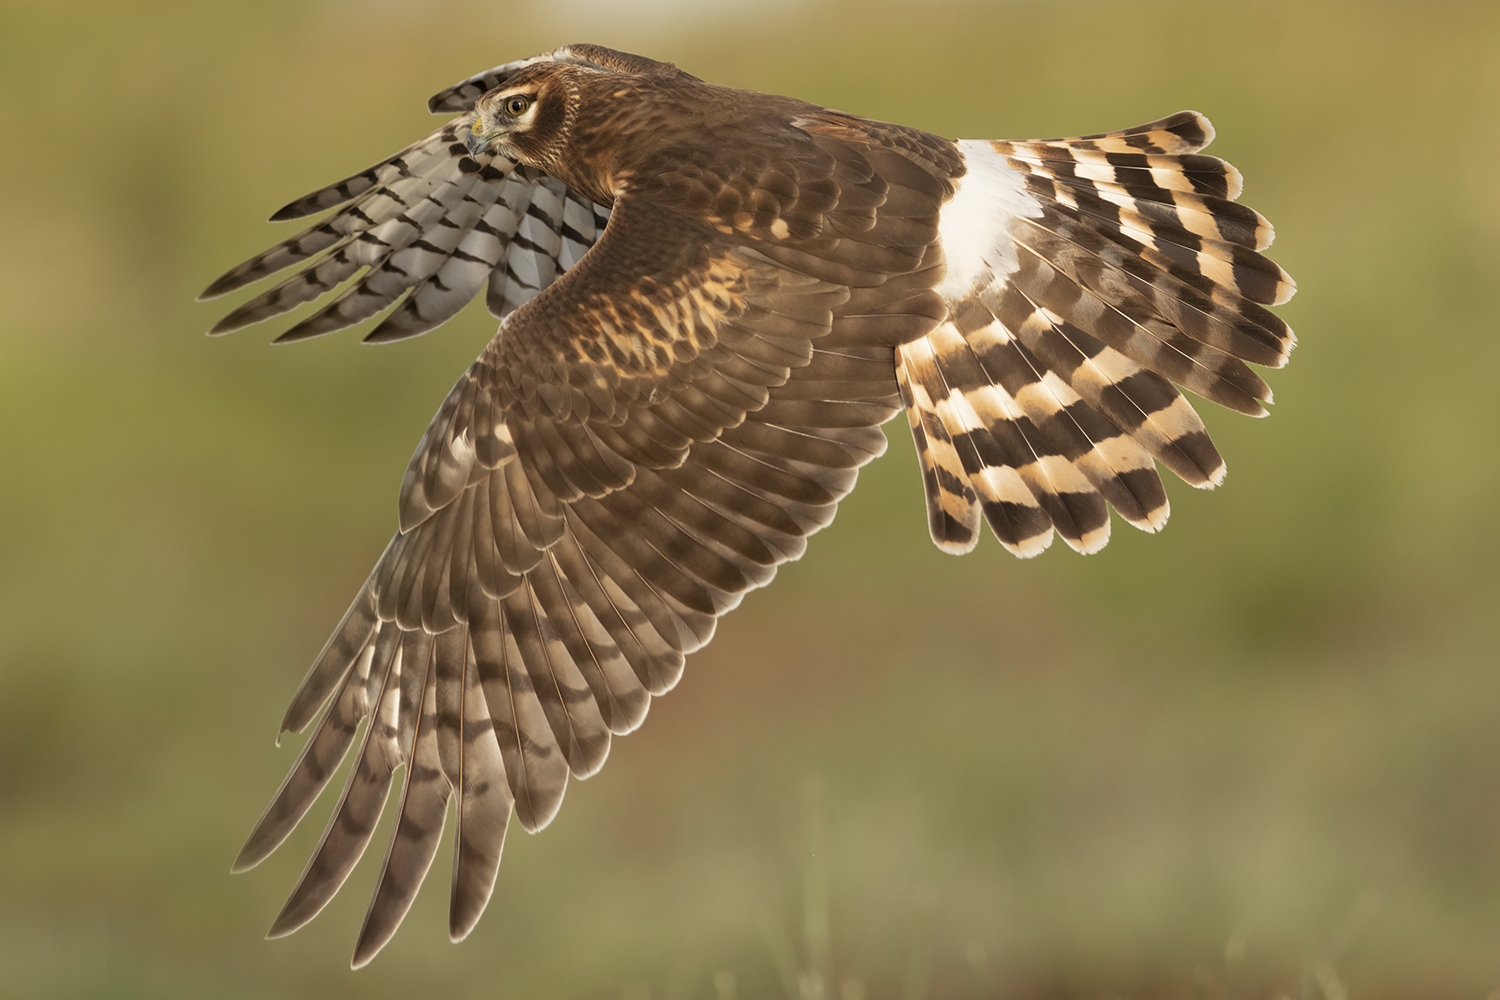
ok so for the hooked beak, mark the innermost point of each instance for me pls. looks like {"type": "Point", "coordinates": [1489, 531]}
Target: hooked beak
{"type": "Point", "coordinates": [479, 143]}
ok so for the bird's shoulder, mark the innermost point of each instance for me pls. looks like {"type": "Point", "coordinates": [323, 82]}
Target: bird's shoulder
{"type": "Point", "coordinates": [763, 166]}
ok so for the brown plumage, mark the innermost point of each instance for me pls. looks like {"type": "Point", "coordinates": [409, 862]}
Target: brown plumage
{"type": "Point", "coordinates": [711, 301]}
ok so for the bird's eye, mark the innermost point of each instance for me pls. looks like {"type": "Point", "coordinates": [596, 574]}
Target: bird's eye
{"type": "Point", "coordinates": [516, 106]}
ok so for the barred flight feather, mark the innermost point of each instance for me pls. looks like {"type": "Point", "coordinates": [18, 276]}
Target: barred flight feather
{"type": "Point", "coordinates": [429, 226]}
{"type": "Point", "coordinates": [700, 343]}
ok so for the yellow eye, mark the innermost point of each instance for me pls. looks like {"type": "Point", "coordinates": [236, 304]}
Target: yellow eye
{"type": "Point", "coordinates": [517, 105]}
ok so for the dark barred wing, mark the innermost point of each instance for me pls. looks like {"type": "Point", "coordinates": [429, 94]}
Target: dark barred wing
{"type": "Point", "coordinates": [1051, 392]}
{"type": "Point", "coordinates": [425, 230]}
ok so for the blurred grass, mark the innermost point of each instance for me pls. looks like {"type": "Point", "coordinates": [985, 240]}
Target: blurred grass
{"type": "Point", "coordinates": [1256, 753]}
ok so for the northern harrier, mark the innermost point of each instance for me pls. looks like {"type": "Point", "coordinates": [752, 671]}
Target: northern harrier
{"type": "Point", "coordinates": [711, 301]}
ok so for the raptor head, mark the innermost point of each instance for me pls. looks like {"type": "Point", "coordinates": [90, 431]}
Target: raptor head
{"type": "Point", "coordinates": [591, 123]}
{"type": "Point", "coordinates": [529, 116]}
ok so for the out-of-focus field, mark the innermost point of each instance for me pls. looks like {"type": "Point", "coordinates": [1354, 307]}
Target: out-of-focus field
{"type": "Point", "coordinates": [1257, 753]}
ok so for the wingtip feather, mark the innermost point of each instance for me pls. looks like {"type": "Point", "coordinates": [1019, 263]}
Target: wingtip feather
{"type": "Point", "coordinates": [364, 954]}
{"type": "Point", "coordinates": [222, 285]}
{"type": "Point", "coordinates": [229, 324]}
{"type": "Point", "coordinates": [258, 846]}
{"type": "Point", "coordinates": [243, 864]}
{"type": "Point", "coordinates": [288, 922]}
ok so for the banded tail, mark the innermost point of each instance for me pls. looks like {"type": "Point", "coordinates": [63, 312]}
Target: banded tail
{"type": "Point", "coordinates": [1085, 277]}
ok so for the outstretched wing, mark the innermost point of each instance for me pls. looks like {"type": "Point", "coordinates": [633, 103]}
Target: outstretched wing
{"type": "Point", "coordinates": [642, 443]}
{"type": "Point", "coordinates": [431, 227]}
{"type": "Point", "coordinates": [1115, 266]}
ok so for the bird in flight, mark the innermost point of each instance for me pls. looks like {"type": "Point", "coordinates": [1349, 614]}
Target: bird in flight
{"type": "Point", "coordinates": [710, 302]}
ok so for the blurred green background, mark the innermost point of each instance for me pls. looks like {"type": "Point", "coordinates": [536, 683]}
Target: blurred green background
{"type": "Point", "coordinates": [1256, 754]}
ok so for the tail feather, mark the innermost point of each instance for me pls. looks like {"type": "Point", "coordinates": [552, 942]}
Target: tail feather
{"type": "Point", "coordinates": [952, 506]}
{"type": "Point", "coordinates": [1219, 301]}
{"type": "Point", "coordinates": [1011, 403]}
{"type": "Point", "coordinates": [1139, 403]}
{"type": "Point", "coordinates": [1117, 265]}
{"type": "Point", "coordinates": [1095, 289]}
{"type": "Point", "coordinates": [1213, 218]}
{"type": "Point", "coordinates": [1183, 132]}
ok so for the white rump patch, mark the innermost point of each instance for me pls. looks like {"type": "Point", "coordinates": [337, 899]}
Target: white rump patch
{"type": "Point", "coordinates": [975, 224]}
